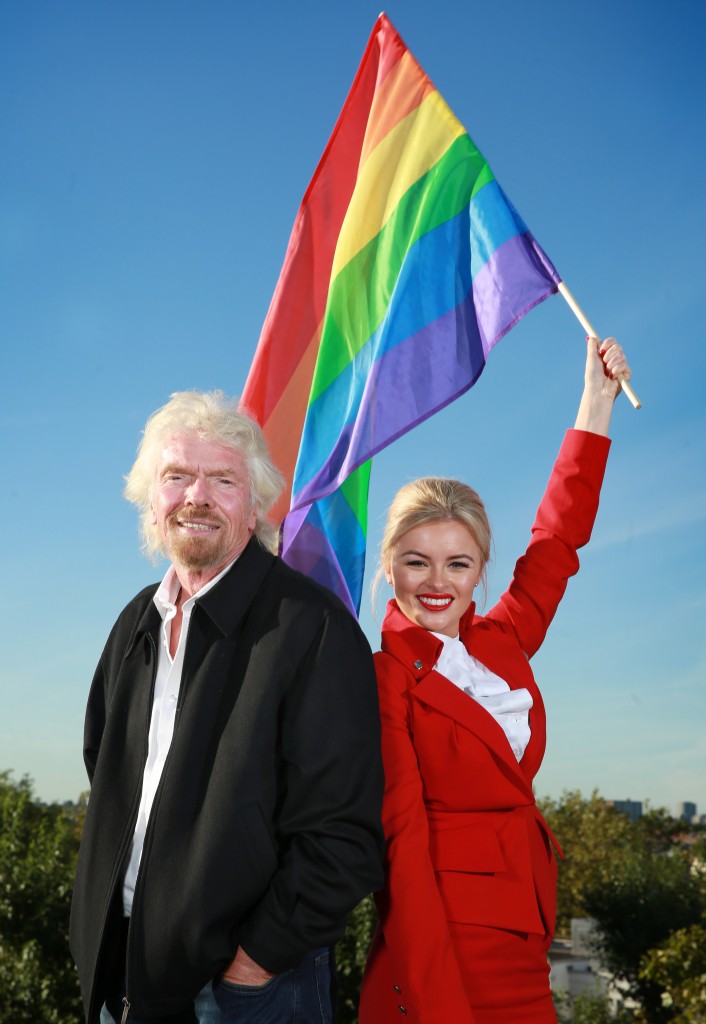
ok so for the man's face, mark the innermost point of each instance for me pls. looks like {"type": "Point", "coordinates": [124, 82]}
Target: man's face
{"type": "Point", "coordinates": [201, 503]}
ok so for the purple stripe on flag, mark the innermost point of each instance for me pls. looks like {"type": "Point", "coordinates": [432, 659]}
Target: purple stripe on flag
{"type": "Point", "coordinates": [405, 386]}
{"type": "Point", "coordinates": [307, 549]}
{"type": "Point", "coordinates": [518, 276]}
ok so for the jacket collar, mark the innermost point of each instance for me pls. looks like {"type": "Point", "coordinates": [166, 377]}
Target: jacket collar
{"type": "Point", "coordinates": [418, 650]}
{"type": "Point", "coordinates": [438, 692]}
{"type": "Point", "coordinates": [414, 646]}
{"type": "Point", "coordinates": [226, 603]}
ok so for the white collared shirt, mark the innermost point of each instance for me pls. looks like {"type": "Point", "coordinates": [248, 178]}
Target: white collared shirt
{"type": "Point", "coordinates": [509, 708]}
{"type": "Point", "coordinates": [164, 708]}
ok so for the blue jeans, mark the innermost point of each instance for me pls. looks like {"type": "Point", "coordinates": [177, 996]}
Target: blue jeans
{"type": "Point", "coordinates": [302, 995]}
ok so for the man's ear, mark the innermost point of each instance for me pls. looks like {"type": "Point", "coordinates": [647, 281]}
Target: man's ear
{"type": "Point", "coordinates": [252, 521]}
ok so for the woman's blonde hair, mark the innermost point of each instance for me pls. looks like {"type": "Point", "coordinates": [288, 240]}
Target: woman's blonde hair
{"type": "Point", "coordinates": [212, 416]}
{"type": "Point", "coordinates": [432, 499]}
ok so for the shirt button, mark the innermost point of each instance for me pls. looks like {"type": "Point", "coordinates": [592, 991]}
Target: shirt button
{"type": "Point", "coordinates": [417, 664]}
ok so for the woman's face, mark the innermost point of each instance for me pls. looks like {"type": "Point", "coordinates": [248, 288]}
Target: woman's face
{"type": "Point", "coordinates": [434, 569]}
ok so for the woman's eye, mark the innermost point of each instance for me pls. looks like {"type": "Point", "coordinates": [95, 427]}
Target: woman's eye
{"type": "Point", "coordinates": [459, 565]}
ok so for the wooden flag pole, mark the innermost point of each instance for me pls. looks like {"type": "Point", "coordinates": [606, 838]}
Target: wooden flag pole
{"type": "Point", "coordinates": [586, 324]}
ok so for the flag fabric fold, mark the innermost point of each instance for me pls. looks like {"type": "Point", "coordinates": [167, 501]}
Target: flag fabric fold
{"type": "Point", "coordinates": [406, 264]}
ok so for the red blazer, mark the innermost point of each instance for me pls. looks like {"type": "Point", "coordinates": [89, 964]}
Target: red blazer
{"type": "Point", "coordinates": [465, 841]}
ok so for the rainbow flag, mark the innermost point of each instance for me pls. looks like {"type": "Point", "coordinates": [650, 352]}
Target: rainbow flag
{"type": "Point", "coordinates": [406, 264]}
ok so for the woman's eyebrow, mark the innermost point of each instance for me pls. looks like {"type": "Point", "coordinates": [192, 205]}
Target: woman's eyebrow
{"type": "Point", "coordinates": [420, 554]}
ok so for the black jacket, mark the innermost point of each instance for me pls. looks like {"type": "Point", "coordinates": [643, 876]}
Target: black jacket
{"type": "Point", "coordinates": [265, 830]}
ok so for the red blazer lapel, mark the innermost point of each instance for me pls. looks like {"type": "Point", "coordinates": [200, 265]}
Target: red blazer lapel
{"type": "Point", "coordinates": [501, 654]}
{"type": "Point", "coordinates": [498, 649]}
{"type": "Point", "coordinates": [438, 692]}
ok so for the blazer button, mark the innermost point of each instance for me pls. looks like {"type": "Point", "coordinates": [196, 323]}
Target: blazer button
{"type": "Point", "coordinates": [402, 1010]}
{"type": "Point", "coordinates": [396, 988]}
{"type": "Point", "coordinates": [417, 664]}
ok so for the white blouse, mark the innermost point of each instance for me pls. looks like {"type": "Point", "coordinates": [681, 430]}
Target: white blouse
{"type": "Point", "coordinates": [509, 708]}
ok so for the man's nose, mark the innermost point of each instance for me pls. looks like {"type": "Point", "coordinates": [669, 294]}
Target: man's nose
{"type": "Point", "coordinates": [198, 492]}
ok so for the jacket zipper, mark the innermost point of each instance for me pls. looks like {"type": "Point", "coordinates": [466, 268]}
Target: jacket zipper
{"type": "Point", "coordinates": [126, 1001]}
{"type": "Point", "coordinates": [155, 805]}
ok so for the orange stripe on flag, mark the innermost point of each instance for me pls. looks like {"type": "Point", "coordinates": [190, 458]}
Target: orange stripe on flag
{"type": "Point", "coordinates": [404, 88]}
{"type": "Point", "coordinates": [283, 428]}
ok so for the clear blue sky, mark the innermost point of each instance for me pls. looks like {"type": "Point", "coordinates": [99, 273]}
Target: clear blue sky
{"type": "Point", "coordinates": [153, 154]}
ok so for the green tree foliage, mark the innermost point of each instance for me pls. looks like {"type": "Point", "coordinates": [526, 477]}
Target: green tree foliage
{"type": "Point", "coordinates": [640, 886]}
{"type": "Point", "coordinates": [678, 968]}
{"type": "Point", "coordinates": [592, 836]}
{"type": "Point", "coordinates": [658, 829]}
{"type": "Point", "coordinates": [588, 1008]}
{"type": "Point", "coordinates": [350, 959]}
{"type": "Point", "coordinates": [594, 1009]}
{"type": "Point", "coordinates": [38, 848]}
{"type": "Point", "coordinates": [648, 896]}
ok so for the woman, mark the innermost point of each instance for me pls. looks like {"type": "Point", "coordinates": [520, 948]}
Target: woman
{"type": "Point", "coordinates": [468, 908]}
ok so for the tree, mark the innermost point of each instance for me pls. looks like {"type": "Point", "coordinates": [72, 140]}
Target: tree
{"type": "Point", "coordinates": [640, 886]}
{"type": "Point", "coordinates": [678, 968]}
{"type": "Point", "coordinates": [648, 897]}
{"type": "Point", "coordinates": [351, 953]}
{"type": "Point", "coordinates": [592, 836]}
{"type": "Point", "coordinates": [658, 829]}
{"type": "Point", "coordinates": [588, 1008]}
{"type": "Point", "coordinates": [38, 849]}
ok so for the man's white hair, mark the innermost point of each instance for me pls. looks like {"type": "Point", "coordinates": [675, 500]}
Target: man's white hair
{"type": "Point", "coordinates": [212, 416]}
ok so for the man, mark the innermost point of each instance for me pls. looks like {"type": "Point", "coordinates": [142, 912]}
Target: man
{"type": "Point", "coordinates": [232, 743]}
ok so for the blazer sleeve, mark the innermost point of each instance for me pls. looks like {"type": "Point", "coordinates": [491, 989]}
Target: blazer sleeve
{"type": "Point", "coordinates": [563, 524]}
{"type": "Point", "coordinates": [120, 638]}
{"type": "Point", "coordinates": [329, 823]}
{"type": "Point", "coordinates": [94, 722]}
{"type": "Point", "coordinates": [411, 912]}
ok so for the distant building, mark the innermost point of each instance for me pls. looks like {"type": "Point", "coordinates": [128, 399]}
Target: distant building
{"type": "Point", "coordinates": [632, 808]}
{"type": "Point", "coordinates": [686, 811]}
{"type": "Point", "coordinates": [583, 936]}
{"type": "Point", "coordinates": [576, 968]}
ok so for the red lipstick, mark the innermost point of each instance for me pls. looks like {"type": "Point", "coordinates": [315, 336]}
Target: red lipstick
{"type": "Point", "coordinates": [440, 602]}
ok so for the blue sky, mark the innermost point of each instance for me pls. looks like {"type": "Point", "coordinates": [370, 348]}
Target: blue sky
{"type": "Point", "coordinates": [154, 154]}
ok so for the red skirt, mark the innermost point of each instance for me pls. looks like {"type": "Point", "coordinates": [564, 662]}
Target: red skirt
{"type": "Point", "coordinates": [505, 975]}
